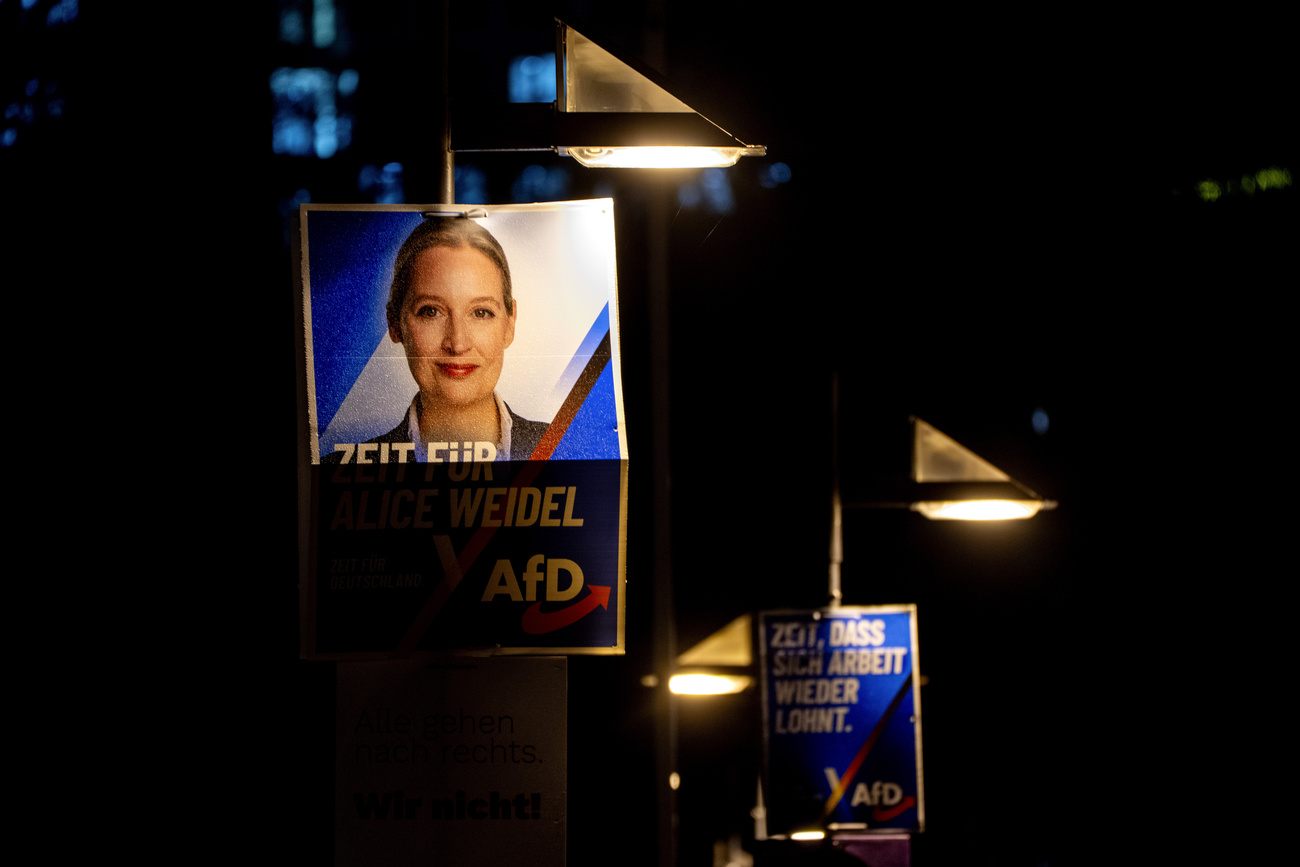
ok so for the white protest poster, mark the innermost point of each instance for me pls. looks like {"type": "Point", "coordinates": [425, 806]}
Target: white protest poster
{"type": "Point", "coordinates": [457, 763]}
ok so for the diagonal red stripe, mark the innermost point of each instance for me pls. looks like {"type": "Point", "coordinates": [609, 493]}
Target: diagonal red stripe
{"type": "Point", "coordinates": [554, 433]}
{"type": "Point", "coordinates": [833, 801]}
{"type": "Point", "coordinates": [576, 398]}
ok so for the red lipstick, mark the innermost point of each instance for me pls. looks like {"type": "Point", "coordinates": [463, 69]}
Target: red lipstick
{"type": "Point", "coordinates": [456, 371]}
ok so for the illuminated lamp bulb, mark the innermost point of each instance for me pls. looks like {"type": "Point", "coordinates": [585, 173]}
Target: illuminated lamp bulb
{"type": "Point", "coordinates": [977, 510]}
{"type": "Point", "coordinates": [707, 684]}
{"type": "Point", "coordinates": [656, 157]}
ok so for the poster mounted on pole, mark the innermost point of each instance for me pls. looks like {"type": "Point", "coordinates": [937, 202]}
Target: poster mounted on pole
{"type": "Point", "coordinates": [841, 720]}
{"type": "Point", "coordinates": [463, 459]}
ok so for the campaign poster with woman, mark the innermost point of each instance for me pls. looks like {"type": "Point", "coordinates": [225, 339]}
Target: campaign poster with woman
{"type": "Point", "coordinates": [469, 319]}
{"type": "Point", "coordinates": [464, 450]}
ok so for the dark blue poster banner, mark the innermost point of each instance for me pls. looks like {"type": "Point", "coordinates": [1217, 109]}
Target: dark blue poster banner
{"type": "Point", "coordinates": [463, 457]}
{"type": "Point", "coordinates": [841, 720]}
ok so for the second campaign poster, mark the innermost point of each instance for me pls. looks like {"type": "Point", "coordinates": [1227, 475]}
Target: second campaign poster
{"type": "Point", "coordinates": [842, 720]}
{"type": "Point", "coordinates": [464, 457]}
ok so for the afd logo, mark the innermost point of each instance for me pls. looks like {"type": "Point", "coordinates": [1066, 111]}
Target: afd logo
{"type": "Point", "coordinates": [558, 579]}
{"type": "Point", "coordinates": [885, 799]}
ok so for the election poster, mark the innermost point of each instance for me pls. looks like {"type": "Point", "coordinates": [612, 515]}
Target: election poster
{"type": "Point", "coordinates": [841, 720]}
{"type": "Point", "coordinates": [459, 764]}
{"type": "Point", "coordinates": [463, 455]}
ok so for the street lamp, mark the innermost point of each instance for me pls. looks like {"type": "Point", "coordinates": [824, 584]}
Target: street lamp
{"type": "Point", "coordinates": [610, 112]}
{"type": "Point", "coordinates": [721, 664]}
{"type": "Point", "coordinates": [947, 481]}
{"type": "Point", "coordinates": [954, 483]}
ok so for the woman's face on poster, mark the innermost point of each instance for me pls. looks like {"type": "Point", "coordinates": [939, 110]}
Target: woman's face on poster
{"type": "Point", "coordinates": [454, 326]}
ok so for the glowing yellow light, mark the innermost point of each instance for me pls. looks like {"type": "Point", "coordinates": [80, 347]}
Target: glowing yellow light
{"type": "Point", "coordinates": [674, 781]}
{"type": "Point", "coordinates": [978, 510]}
{"type": "Point", "coordinates": [656, 157]}
{"type": "Point", "coordinates": [1273, 177]}
{"type": "Point", "coordinates": [808, 835]}
{"type": "Point", "coordinates": [707, 684]}
{"type": "Point", "coordinates": [1209, 190]}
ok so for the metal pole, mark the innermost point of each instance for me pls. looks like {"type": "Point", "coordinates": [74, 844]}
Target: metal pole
{"type": "Point", "coordinates": [446, 175]}
{"type": "Point", "coordinates": [665, 640]}
{"type": "Point", "coordinates": [837, 525]}
{"type": "Point", "coordinates": [659, 287]}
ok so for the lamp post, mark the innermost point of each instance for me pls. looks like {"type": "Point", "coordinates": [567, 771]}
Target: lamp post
{"type": "Point", "coordinates": [948, 482]}
{"type": "Point", "coordinates": [945, 478]}
{"type": "Point", "coordinates": [612, 112]}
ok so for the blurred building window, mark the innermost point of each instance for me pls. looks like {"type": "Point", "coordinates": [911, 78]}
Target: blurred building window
{"type": "Point", "coordinates": [382, 184]}
{"type": "Point", "coordinates": [309, 21]}
{"type": "Point", "coordinates": [532, 78]}
{"type": "Point", "coordinates": [471, 184]}
{"type": "Point", "coordinates": [773, 175]}
{"type": "Point", "coordinates": [60, 13]}
{"type": "Point", "coordinates": [710, 189]}
{"type": "Point", "coordinates": [311, 115]}
{"type": "Point", "coordinates": [540, 184]}
{"type": "Point", "coordinates": [323, 32]}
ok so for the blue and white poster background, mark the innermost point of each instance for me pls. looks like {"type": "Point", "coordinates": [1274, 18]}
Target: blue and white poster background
{"type": "Point", "coordinates": [563, 275]}
{"type": "Point", "coordinates": [842, 738]}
